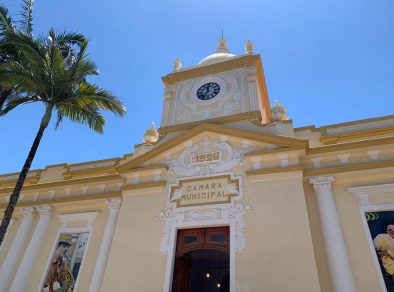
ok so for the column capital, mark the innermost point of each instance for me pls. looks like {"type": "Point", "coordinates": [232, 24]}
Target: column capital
{"type": "Point", "coordinates": [114, 204]}
{"type": "Point", "coordinates": [45, 210]}
{"type": "Point", "coordinates": [28, 211]}
{"type": "Point", "coordinates": [322, 182]}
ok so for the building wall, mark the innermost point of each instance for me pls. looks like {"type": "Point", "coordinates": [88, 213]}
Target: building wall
{"type": "Point", "coordinates": [135, 263]}
{"type": "Point", "coordinates": [279, 253]}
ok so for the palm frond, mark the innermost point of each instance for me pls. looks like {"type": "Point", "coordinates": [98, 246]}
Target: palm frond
{"type": "Point", "coordinates": [14, 75]}
{"type": "Point", "coordinates": [27, 16]}
{"type": "Point", "coordinates": [85, 115]}
{"type": "Point", "coordinates": [85, 68]}
{"type": "Point", "coordinates": [69, 38]}
{"type": "Point", "coordinates": [26, 44]}
{"type": "Point", "coordinates": [11, 104]}
{"type": "Point", "coordinates": [91, 95]}
{"type": "Point", "coordinates": [5, 20]}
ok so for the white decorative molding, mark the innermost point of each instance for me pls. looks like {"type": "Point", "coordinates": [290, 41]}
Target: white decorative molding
{"type": "Point", "coordinates": [114, 204]}
{"type": "Point", "coordinates": [364, 193]}
{"type": "Point", "coordinates": [232, 213]}
{"type": "Point", "coordinates": [257, 162]}
{"type": "Point", "coordinates": [373, 154]}
{"type": "Point", "coordinates": [344, 158]}
{"type": "Point", "coordinates": [87, 217]}
{"type": "Point", "coordinates": [228, 158]}
{"type": "Point", "coordinates": [227, 102]}
{"type": "Point", "coordinates": [316, 162]}
{"type": "Point", "coordinates": [51, 194]}
{"type": "Point", "coordinates": [322, 182]}
{"type": "Point", "coordinates": [45, 210]}
{"type": "Point", "coordinates": [284, 159]}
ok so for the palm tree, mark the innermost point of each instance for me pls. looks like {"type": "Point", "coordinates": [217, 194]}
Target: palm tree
{"type": "Point", "coordinates": [58, 81]}
{"type": "Point", "coordinates": [7, 52]}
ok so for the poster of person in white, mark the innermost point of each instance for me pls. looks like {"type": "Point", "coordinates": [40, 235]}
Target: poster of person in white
{"type": "Point", "coordinates": [384, 243]}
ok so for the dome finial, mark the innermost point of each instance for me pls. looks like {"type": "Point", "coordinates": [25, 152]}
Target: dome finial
{"type": "Point", "coordinates": [222, 45]}
{"type": "Point", "coordinates": [151, 135]}
{"type": "Point", "coordinates": [177, 64]}
{"type": "Point", "coordinates": [249, 48]}
{"type": "Point", "coordinates": [278, 113]}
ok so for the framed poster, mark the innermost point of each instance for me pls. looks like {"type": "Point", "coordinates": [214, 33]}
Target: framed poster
{"type": "Point", "coordinates": [381, 228]}
{"type": "Point", "coordinates": [65, 263]}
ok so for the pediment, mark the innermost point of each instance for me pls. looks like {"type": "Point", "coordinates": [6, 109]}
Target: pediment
{"type": "Point", "coordinates": [209, 148]}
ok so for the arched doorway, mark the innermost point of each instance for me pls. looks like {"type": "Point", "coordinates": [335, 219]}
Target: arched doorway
{"type": "Point", "coordinates": [202, 261]}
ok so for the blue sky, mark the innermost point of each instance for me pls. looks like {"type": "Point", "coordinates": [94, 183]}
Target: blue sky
{"type": "Point", "coordinates": [325, 61]}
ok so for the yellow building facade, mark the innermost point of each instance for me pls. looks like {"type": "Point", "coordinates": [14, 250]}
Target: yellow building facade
{"type": "Point", "coordinates": [225, 196]}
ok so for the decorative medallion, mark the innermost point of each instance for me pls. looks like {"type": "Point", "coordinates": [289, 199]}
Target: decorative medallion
{"type": "Point", "coordinates": [209, 157]}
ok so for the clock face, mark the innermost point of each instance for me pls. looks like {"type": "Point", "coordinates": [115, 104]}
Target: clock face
{"type": "Point", "coordinates": [208, 91]}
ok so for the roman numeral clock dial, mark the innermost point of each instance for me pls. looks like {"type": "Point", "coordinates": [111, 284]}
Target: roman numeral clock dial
{"type": "Point", "coordinates": [208, 91]}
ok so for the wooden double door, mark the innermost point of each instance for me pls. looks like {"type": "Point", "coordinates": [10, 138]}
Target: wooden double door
{"type": "Point", "coordinates": [202, 261]}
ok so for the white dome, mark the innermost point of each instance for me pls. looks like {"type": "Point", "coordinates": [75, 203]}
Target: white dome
{"type": "Point", "coordinates": [214, 58]}
{"type": "Point", "coordinates": [222, 53]}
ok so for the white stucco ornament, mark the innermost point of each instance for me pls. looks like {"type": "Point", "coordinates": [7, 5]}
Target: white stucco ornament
{"type": "Point", "coordinates": [189, 163]}
{"type": "Point", "coordinates": [177, 64]}
{"type": "Point", "coordinates": [231, 213]}
{"type": "Point", "coordinates": [188, 107]}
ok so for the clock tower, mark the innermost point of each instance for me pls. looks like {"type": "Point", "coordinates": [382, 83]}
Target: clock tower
{"type": "Point", "coordinates": [221, 88]}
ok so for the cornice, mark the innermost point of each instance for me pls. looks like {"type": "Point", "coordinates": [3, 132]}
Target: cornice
{"type": "Point", "coordinates": [197, 71]}
{"type": "Point", "coordinates": [206, 127]}
{"type": "Point", "coordinates": [274, 170]}
{"type": "Point", "coordinates": [63, 183]}
{"type": "Point", "coordinates": [92, 171]}
{"type": "Point", "coordinates": [144, 185]}
{"type": "Point", "coordinates": [250, 116]}
{"type": "Point", "coordinates": [332, 139]}
{"type": "Point", "coordinates": [274, 151]}
{"type": "Point", "coordinates": [348, 168]}
{"type": "Point", "coordinates": [66, 199]}
{"type": "Point", "coordinates": [351, 145]}
{"type": "Point", "coordinates": [358, 122]}
{"type": "Point", "coordinates": [151, 168]}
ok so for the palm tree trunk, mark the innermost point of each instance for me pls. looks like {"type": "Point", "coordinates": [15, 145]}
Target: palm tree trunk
{"type": "Point", "coordinates": [22, 176]}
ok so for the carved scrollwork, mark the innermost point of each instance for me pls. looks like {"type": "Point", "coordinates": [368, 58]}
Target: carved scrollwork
{"type": "Point", "coordinates": [227, 159]}
{"type": "Point", "coordinates": [234, 213]}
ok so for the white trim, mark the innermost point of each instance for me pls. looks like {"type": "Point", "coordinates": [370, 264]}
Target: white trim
{"type": "Point", "coordinates": [175, 101]}
{"type": "Point", "coordinates": [207, 177]}
{"type": "Point", "coordinates": [363, 194]}
{"type": "Point", "coordinates": [65, 218]}
{"type": "Point", "coordinates": [226, 215]}
{"type": "Point", "coordinates": [88, 216]}
{"type": "Point", "coordinates": [242, 90]}
{"type": "Point", "coordinates": [171, 252]}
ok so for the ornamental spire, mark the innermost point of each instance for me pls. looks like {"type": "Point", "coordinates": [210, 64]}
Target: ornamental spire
{"type": "Point", "coordinates": [222, 45]}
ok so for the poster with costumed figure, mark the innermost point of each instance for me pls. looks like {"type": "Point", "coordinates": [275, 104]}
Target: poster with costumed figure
{"type": "Point", "coordinates": [381, 227]}
{"type": "Point", "coordinates": [66, 262]}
